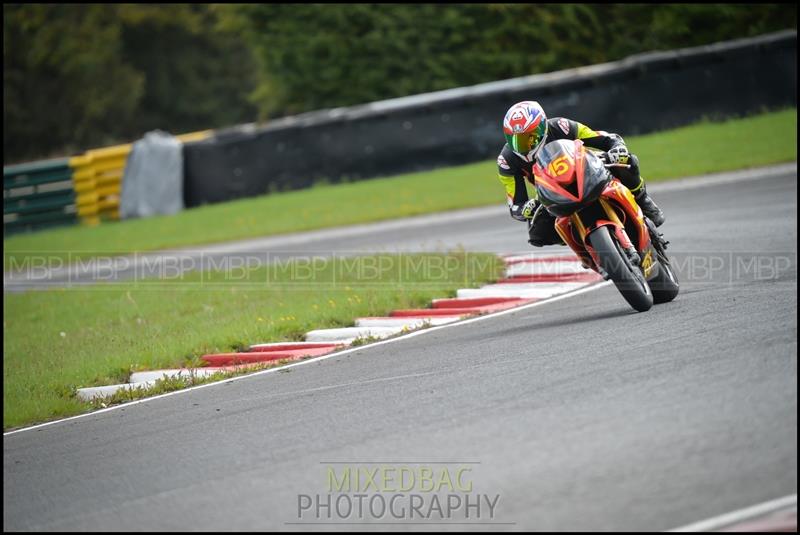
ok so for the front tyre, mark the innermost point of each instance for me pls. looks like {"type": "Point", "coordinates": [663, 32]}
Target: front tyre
{"type": "Point", "coordinates": [627, 277]}
{"type": "Point", "coordinates": [665, 285]}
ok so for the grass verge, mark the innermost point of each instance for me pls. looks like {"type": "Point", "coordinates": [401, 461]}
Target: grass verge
{"type": "Point", "coordinates": [703, 148]}
{"type": "Point", "coordinates": [56, 341]}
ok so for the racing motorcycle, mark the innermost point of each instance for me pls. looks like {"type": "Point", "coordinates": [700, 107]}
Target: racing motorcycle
{"type": "Point", "coordinates": [598, 218]}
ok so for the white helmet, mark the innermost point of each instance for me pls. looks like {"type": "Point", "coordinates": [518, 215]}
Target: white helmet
{"type": "Point", "coordinates": [525, 128]}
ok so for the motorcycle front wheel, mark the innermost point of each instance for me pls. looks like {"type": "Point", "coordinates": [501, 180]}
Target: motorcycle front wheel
{"type": "Point", "coordinates": [665, 285]}
{"type": "Point", "coordinates": [628, 278]}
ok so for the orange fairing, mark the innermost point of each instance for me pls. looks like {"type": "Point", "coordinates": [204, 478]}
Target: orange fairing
{"type": "Point", "coordinates": [620, 207]}
{"type": "Point", "coordinates": [623, 198]}
{"type": "Point", "coordinates": [562, 172]}
{"type": "Point", "coordinates": [563, 226]}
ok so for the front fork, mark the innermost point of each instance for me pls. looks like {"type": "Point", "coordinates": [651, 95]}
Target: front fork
{"type": "Point", "coordinates": [565, 226]}
{"type": "Point", "coordinates": [658, 241]}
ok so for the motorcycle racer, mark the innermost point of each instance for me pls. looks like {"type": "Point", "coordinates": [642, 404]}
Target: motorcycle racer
{"type": "Point", "coordinates": [527, 130]}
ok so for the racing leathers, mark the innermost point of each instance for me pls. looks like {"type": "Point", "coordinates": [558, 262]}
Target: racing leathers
{"type": "Point", "coordinates": [513, 171]}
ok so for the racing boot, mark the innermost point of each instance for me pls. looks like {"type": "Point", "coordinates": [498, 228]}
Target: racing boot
{"type": "Point", "coordinates": [649, 208]}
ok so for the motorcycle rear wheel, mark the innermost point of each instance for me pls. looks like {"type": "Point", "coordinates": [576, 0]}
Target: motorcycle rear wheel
{"type": "Point", "coordinates": [628, 278]}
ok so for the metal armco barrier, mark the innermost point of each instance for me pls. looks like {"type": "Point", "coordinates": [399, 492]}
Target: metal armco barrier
{"type": "Point", "coordinates": [37, 195]}
{"type": "Point", "coordinates": [637, 95]}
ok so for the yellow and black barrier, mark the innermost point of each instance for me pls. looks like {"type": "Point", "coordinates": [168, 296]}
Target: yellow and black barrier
{"type": "Point", "coordinates": [97, 177]}
{"type": "Point", "coordinates": [86, 187]}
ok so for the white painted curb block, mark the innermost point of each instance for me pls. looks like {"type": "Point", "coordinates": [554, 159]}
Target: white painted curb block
{"type": "Point", "coordinates": [269, 345]}
{"type": "Point", "coordinates": [152, 376]}
{"type": "Point", "coordinates": [344, 342]}
{"type": "Point", "coordinates": [350, 333]}
{"type": "Point", "coordinates": [544, 268]}
{"type": "Point", "coordinates": [408, 321]}
{"type": "Point", "coordinates": [88, 394]}
{"type": "Point", "coordinates": [542, 257]}
{"type": "Point", "coordinates": [383, 327]}
{"type": "Point", "coordinates": [537, 290]}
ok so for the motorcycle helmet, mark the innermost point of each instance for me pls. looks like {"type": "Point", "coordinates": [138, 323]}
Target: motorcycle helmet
{"type": "Point", "coordinates": [525, 128]}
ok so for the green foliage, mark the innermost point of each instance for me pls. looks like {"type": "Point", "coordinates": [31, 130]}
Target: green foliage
{"type": "Point", "coordinates": [88, 75]}
{"type": "Point", "coordinates": [317, 56]}
{"type": "Point", "coordinates": [642, 27]}
{"type": "Point", "coordinates": [64, 79]}
{"type": "Point", "coordinates": [198, 76]}
{"type": "Point", "coordinates": [78, 76]}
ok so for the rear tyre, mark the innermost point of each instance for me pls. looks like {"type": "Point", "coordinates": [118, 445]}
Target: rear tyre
{"type": "Point", "coordinates": [628, 278]}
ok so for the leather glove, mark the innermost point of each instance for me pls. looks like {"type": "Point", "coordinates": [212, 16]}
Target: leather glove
{"type": "Point", "coordinates": [618, 155]}
{"type": "Point", "coordinates": [529, 208]}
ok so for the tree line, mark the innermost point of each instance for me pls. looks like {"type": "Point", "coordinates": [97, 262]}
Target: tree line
{"type": "Point", "coordinates": [87, 75]}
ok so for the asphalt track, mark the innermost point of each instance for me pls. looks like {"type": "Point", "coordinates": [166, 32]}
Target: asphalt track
{"type": "Point", "coordinates": [580, 414]}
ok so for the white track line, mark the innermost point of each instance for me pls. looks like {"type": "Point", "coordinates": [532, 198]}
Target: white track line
{"type": "Point", "coordinates": [740, 515]}
{"type": "Point", "coordinates": [322, 357]}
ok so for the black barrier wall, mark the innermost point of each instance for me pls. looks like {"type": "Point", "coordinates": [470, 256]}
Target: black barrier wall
{"type": "Point", "coordinates": [637, 95]}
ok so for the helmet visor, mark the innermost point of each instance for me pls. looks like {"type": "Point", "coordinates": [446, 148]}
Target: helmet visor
{"type": "Point", "coordinates": [527, 141]}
